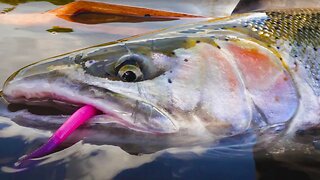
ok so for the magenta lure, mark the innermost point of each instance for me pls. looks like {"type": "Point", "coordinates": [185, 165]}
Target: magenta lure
{"type": "Point", "coordinates": [78, 118]}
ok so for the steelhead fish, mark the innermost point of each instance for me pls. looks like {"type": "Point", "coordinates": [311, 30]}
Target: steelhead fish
{"type": "Point", "coordinates": [188, 84]}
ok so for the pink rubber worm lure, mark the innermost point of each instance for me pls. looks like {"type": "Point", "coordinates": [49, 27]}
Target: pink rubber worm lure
{"type": "Point", "coordinates": [67, 128]}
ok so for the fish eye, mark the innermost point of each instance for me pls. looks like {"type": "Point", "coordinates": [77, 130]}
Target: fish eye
{"type": "Point", "coordinates": [128, 68]}
{"type": "Point", "coordinates": [130, 73]}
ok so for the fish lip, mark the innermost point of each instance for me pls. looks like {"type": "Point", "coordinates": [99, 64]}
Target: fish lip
{"type": "Point", "coordinates": [22, 98]}
{"type": "Point", "coordinates": [105, 113]}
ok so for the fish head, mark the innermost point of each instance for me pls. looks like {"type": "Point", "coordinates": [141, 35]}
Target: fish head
{"type": "Point", "coordinates": [173, 85]}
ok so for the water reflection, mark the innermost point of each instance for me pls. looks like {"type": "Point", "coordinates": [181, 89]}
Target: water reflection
{"type": "Point", "coordinates": [86, 161]}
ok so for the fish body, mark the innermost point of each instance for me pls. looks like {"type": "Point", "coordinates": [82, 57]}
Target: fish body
{"type": "Point", "coordinates": [204, 81]}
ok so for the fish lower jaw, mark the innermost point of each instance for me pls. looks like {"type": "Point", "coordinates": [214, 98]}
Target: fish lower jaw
{"type": "Point", "coordinates": [110, 113]}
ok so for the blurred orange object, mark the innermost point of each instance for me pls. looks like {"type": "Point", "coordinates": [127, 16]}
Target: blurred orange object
{"type": "Point", "coordinates": [98, 12]}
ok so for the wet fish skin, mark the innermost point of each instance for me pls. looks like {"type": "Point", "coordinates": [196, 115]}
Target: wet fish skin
{"type": "Point", "coordinates": [299, 30]}
{"type": "Point", "coordinates": [217, 77]}
{"type": "Point", "coordinates": [294, 34]}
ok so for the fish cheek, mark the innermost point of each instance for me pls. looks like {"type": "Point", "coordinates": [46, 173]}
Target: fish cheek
{"type": "Point", "coordinates": [208, 86]}
{"type": "Point", "coordinates": [270, 86]}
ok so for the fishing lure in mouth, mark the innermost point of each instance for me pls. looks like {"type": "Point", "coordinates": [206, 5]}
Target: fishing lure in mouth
{"type": "Point", "coordinates": [78, 118]}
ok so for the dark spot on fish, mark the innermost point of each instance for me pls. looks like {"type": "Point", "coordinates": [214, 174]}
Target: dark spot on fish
{"type": "Point", "coordinates": [169, 81]}
{"type": "Point", "coordinates": [170, 71]}
{"type": "Point", "coordinates": [278, 47]}
{"type": "Point", "coordinates": [186, 60]}
{"type": "Point", "coordinates": [285, 79]}
{"type": "Point", "coordinates": [147, 15]}
{"type": "Point", "coordinates": [281, 59]}
{"type": "Point", "coordinates": [296, 66]}
{"type": "Point", "coordinates": [234, 26]}
{"type": "Point", "coordinates": [198, 41]}
{"type": "Point", "coordinates": [173, 53]}
{"type": "Point", "coordinates": [315, 49]}
{"type": "Point", "coordinates": [218, 47]}
{"type": "Point", "coordinates": [295, 55]}
{"type": "Point", "coordinates": [227, 39]}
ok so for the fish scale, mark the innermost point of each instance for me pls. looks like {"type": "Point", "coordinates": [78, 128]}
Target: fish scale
{"type": "Point", "coordinates": [299, 29]}
{"type": "Point", "coordinates": [293, 31]}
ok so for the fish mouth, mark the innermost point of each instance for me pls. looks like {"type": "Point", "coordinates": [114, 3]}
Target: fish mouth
{"type": "Point", "coordinates": [47, 99]}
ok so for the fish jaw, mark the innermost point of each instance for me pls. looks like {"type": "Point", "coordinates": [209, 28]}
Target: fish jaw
{"type": "Point", "coordinates": [29, 86]}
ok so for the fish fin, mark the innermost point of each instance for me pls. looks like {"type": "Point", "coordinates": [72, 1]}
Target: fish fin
{"type": "Point", "coordinates": [259, 5]}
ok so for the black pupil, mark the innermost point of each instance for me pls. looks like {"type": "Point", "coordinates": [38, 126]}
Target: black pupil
{"type": "Point", "coordinates": [129, 76]}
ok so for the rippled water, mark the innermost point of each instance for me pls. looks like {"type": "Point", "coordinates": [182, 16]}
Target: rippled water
{"type": "Point", "coordinates": [24, 39]}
